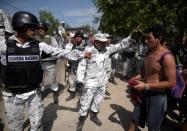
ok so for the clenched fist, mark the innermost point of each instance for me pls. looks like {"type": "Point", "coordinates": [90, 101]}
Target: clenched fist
{"type": "Point", "coordinates": [88, 55]}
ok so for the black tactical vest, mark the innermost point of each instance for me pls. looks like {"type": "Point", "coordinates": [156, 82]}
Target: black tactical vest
{"type": "Point", "coordinates": [23, 71]}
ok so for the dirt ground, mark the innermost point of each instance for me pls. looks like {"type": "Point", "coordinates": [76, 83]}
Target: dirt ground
{"type": "Point", "coordinates": [115, 112]}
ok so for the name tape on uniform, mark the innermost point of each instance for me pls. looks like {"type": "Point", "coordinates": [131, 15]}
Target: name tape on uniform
{"type": "Point", "coordinates": [23, 58]}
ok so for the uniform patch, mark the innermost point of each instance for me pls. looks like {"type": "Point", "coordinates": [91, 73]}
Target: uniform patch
{"type": "Point", "coordinates": [20, 58]}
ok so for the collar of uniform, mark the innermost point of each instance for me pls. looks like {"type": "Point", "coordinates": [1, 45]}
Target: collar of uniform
{"type": "Point", "coordinates": [18, 43]}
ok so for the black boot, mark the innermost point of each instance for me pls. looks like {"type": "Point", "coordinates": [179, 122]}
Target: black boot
{"type": "Point", "coordinates": [107, 93]}
{"type": "Point", "coordinates": [81, 123]}
{"type": "Point", "coordinates": [95, 119]}
{"type": "Point", "coordinates": [114, 82]}
{"type": "Point", "coordinates": [71, 96]}
{"type": "Point", "coordinates": [55, 97]}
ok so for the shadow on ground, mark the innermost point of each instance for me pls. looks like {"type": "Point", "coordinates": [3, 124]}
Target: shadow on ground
{"type": "Point", "coordinates": [50, 115]}
{"type": "Point", "coordinates": [1, 126]}
{"type": "Point", "coordinates": [1, 111]}
{"type": "Point", "coordinates": [120, 116]}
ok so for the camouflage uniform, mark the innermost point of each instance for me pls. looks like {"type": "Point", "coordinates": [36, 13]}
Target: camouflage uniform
{"type": "Point", "coordinates": [30, 101]}
{"type": "Point", "coordinates": [61, 32]}
{"type": "Point", "coordinates": [15, 105]}
{"type": "Point", "coordinates": [73, 66]}
{"type": "Point", "coordinates": [49, 64]}
{"type": "Point", "coordinates": [94, 74]}
{"type": "Point", "coordinates": [129, 54]}
{"type": "Point", "coordinates": [140, 54]}
{"type": "Point", "coordinates": [4, 25]}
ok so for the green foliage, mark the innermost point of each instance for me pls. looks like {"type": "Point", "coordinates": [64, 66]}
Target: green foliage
{"type": "Point", "coordinates": [120, 17]}
{"type": "Point", "coordinates": [87, 28]}
{"type": "Point", "coordinates": [47, 16]}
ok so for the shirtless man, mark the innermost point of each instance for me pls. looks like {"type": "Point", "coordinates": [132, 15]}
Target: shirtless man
{"type": "Point", "coordinates": [153, 82]}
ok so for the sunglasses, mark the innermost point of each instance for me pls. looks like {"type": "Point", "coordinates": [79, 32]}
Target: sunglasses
{"type": "Point", "coordinates": [32, 27]}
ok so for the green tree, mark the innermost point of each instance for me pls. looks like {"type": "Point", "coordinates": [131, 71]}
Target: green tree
{"type": "Point", "coordinates": [48, 17]}
{"type": "Point", "coordinates": [87, 28]}
{"type": "Point", "coordinates": [119, 17]}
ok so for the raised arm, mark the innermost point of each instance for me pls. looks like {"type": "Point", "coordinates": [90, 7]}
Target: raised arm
{"type": "Point", "coordinates": [121, 45]}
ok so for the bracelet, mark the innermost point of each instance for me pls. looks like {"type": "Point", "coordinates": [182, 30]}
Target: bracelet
{"type": "Point", "coordinates": [147, 87]}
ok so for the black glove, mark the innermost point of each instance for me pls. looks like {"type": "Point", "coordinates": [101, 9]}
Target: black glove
{"type": "Point", "coordinates": [79, 86]}
{"type": "Point", "coordinates": [7, 35]}
{"type": "Point", "coordinates": [136, 35]}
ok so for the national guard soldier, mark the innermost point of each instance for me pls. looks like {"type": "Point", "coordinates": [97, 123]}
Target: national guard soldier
{"type": "Point", "coordinates": [48, 63]}
{"type": "Point", "coordinates": [62, 34]}
{"type": "Point", "coordinates": [93, 74]}
{"type": "Point", "coordinates": [114, 61]}
{"type": "Point", "coordinates": [5, 26]}
{"type": "Point", "coordinates": [80, 46]}
{"type": "Point", "coordinates": [141, 50]}
{"type": "Point", "coordinates": [22, 72]}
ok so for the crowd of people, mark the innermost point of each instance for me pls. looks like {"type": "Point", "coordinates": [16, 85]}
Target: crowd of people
{"type": "Point", "coordinates": [29, 53]}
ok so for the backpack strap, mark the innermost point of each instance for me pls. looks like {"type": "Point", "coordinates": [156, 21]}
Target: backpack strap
{"type": "Point", "coordinates": [162, 57]}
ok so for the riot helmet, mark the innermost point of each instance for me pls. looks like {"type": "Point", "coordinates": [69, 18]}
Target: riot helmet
{"type": "Point", "coordinates": [22, 18]}
{"type": "Point", "coordinates": [79, 34]}
{"type": "Point", "coordinates": [43, 25]}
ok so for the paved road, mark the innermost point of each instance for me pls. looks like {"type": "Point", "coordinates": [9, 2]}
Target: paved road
{"type": "Point", "coordinates": [115, 112]}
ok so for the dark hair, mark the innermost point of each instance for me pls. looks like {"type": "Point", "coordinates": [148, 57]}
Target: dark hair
{"type": "Point", "coordinates": [158, 32]}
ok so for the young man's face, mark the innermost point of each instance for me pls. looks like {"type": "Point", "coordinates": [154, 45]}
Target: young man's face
{"type": "Point", "coordinates": [150, 40]}
{"type": "Point", "coordinates": [78, 40]}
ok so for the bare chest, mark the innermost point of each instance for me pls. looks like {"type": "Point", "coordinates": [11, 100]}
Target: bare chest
{"type": "Point", "coordinates": [151, 65]}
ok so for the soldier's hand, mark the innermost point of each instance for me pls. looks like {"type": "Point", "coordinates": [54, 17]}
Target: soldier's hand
{"type": "Point", "coordinates": [79, 87]}
{"type": "Point", "coordinates": [88, 55]}
{"type": "Point", "coordinates": [136, 33]}
{"type": "Point", "coordinates": [7, 35]}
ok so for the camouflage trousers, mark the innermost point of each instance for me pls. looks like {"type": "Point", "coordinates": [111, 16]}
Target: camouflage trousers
{"type": "Point", "coordinates": [91, 97]}
{"type": "Point", "coordinates": [72, 81]}
{"type": "Point", "coordinates": [15, 109]}
{"type": "Point", "coordinates": [50, 74]}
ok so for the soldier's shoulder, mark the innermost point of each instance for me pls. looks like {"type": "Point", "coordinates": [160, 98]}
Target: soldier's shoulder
{"type": "Point", "coordinates": [2, 41]}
